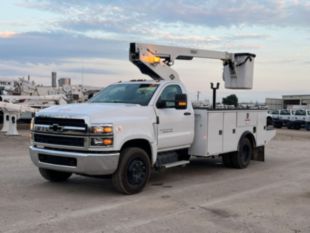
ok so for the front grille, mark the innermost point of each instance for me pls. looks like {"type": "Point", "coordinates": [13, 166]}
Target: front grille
{"type": "Point", "coordinates": [56, 140]}
{"type": "Point", "coordinates": [60, 121]}
{"type": "Point", "coordinates": [58, 160]}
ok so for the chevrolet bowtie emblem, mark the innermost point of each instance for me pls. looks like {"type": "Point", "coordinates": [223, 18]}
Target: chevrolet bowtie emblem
{"type": "Point", "coordinates": [56, 128]}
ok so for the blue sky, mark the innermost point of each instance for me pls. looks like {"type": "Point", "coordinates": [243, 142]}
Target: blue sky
{"type": "Point", "coordinates": [90, 39]}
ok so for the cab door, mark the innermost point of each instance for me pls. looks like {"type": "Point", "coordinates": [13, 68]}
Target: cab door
{"type": "Point", "coordinates": [175, 126]}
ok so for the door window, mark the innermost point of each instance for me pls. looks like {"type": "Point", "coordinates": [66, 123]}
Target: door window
{"type": "Point", "coordinates": [168, 95]}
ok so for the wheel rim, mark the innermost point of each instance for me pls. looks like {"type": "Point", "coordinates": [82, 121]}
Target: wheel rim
{"type": "Point", "coordinates": [246, 153]}
{"type": "Point", "coordinates": [136, 172]}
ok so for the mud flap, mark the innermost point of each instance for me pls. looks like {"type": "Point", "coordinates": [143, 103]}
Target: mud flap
{"type": "Point", "coordinates": [259, 154]}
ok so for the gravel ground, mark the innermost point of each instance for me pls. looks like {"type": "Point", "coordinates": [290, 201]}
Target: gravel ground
{"type": "Point", "coordinates": [203, 197]}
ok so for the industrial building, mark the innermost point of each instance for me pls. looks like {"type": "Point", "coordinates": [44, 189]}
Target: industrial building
{"type": "Point", "coordinates": [288, 101]}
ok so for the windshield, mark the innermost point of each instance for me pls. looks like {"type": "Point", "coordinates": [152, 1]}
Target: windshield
{"type": "Point", "coordinates": [300, 113]}
{"type": "Point", "coordinates": [285, 112]}
{"type": "Point", "coordinates": [136, 93]}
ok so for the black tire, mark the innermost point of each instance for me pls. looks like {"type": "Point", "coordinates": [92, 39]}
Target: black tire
{"type": "Point", "coordinates": [278, 125]}
{"type": "Point", "coordinates": [227, 160]}
{"type": "Point", "coordinates": [297, 126]}
{"type": "Point", "coordinates": [133, 171]}
{"type": "Point", "coordinates": [269, 121]}
{"type": "Point", "coordinates": [241, 158]}
{"type": "Point", "coordinates": [54, 176]}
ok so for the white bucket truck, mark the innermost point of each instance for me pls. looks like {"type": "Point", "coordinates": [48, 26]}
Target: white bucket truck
{"type": "Point", "coordinates": [130, 128]}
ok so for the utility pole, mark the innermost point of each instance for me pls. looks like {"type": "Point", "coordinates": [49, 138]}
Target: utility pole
{"type": "Point", "coordinates": [198, 94]}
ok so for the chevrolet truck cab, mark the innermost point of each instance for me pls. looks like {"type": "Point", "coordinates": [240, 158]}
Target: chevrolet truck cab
{"type": "Point", "coordinates": [130, 128]}
{"type": "Point", "coordinates": [140, 117]}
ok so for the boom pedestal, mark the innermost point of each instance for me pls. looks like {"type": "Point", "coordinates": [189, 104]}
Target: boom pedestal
{"type": "Point", "coordinates": [11, 114]}
{"type": "Point", "coordinates": [6, 119]}
{"type": "Point", "coordinates": [12, 129]}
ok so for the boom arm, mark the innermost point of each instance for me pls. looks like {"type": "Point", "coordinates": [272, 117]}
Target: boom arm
{"type": "Point", "coordinates": [156, 61]}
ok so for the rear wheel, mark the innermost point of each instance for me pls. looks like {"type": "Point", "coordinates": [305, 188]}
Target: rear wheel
{"type": "Point", "coordinates": [54, 176]}
{"type": "Point", "coordinates": [133, 172]}
{"type": "Point", "coordinates": [242, 158]}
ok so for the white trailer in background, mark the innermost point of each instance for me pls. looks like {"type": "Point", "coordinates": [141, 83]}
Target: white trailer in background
{"type": "Point", "coordinates": [131, 127]}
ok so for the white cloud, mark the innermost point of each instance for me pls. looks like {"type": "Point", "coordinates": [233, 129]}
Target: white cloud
{"type": "Point", "coordinates": [211, 13]}
{"type": "Point", "coordinates": [93, 36]}
{"type": "Point", "coordinates": [6, 35]}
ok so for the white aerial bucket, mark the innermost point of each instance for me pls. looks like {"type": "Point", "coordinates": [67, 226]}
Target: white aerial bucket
{"type": "Point", "coordinates": [239, 74]}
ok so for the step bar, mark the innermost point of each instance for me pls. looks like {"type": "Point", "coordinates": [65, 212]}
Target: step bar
{"type": "Point", "coordinates": [175, 164]}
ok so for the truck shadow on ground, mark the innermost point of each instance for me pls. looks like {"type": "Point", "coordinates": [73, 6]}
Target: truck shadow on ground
{"type": "Point", "coordinates": [166, 178]}
{"type": "Point", "coordinates": [197, 167]}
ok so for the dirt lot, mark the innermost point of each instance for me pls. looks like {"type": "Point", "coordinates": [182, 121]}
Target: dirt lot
{"type": "Point", "coordinates": [203, 197]}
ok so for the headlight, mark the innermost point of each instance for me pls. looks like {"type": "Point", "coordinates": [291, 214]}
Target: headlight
{"type": "Point", "coordinates": [102, 141]}
{"type": "Point", "coordinates": [32, 124]}
{"type": "Point", "coordinates": [106, 129]}
{"type": "Point", "coordinates": [101, 135]}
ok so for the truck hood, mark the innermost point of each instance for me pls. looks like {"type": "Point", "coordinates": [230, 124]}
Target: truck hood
{"type": "Point", "coordinates": [98, 112]}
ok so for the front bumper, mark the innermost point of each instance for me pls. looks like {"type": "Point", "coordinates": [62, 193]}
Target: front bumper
{"type": "Point", "coordinates": [86, 163]}
{"type": "Point", "coordinates": [298, 122]}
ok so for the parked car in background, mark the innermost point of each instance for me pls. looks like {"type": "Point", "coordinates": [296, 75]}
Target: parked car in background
{"type": "Point", "coordinates": [281, 117]}
{"type": "Point", "coordinates": [307, 125]}
{"type": "Point", "coordinates": [300, 119]}
{"type": "Point", "coordinates": [285, 116]}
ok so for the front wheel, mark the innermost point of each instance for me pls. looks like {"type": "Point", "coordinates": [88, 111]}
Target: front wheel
{"type": "Point", "coordinates": [242, 158]}
{"type": "Point", "coordinates": [133, 172]}
{"type": "Point", "coordinates": [278, 125]}
{"type": "Point", "coordinates": [54, 176]}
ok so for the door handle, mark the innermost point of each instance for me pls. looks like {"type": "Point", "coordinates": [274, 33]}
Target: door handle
{"type": "Point", "coordinates": [187, 113]}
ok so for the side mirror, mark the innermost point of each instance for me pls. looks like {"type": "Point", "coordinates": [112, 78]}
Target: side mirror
{"type": "Point", "coordinates": [161, 104]}
{"type": "Point", "coordinates": [181, 101]}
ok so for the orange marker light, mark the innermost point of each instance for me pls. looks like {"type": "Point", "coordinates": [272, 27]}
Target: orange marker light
{"type": "Point", "coordinates": [107, 129]}
{"type": "Point", "coordinates": [107, 141]}
{"type": "Point", "coordinates": [182, 104]}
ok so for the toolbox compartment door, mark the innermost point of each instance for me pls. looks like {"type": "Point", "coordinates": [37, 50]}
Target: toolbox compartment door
{"type": "Point", "coordinates": [215, 132]}
{"type": "Point", "coordinates": [230, 140]}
